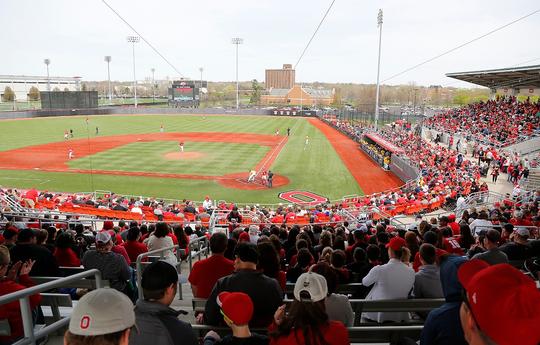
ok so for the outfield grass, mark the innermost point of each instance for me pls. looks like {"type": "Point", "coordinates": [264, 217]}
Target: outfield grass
{"type": "Point", "coordinates": [317, 168]}
{"type": "Point", "coordinates": [217, 158]}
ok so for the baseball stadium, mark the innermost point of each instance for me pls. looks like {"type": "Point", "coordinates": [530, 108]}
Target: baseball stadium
{"type": "Point", "coordinates": [180, 210]}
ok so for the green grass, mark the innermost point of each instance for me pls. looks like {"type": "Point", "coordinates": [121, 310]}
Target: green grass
{"type": "Point", "coordinates": [218, 158]}
{"type": "Point", "coordinates": [317, 169]}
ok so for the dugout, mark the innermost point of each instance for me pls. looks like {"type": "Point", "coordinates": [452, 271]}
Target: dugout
{"type": "Point", "coordinates": [68, 99]}
{"type": "Point", "coordinates": [379, 149]}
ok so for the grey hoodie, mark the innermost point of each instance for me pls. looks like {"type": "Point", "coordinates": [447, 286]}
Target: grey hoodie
{"type": "Point", "coordinates": [152, 319]}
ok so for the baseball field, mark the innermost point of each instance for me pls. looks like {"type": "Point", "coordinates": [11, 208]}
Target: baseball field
{"type": "Point", "coordinates": [142, 155]}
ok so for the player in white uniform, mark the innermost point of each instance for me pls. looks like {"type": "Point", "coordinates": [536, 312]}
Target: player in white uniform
{"type": "Point", "coordinates": [306, 143]}
{"type": "Point", "coordinates": [70, 154]}
{"type": "Point", "coordinates": [252, 175]}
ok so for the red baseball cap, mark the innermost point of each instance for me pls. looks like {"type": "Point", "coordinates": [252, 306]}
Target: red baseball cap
{"type": "Point", "coordinates": [236, 306]}
{"type": "Point", "coordinates": [396, 243]}
{"type": "Point", "coordinates": [452, 217]}
{"type": "Point", "coordinates": [244, 237]}
{"type": "Point", "coordinates": [504, 302]}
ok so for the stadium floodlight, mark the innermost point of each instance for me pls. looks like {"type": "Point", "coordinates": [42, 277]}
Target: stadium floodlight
{"type": "Point", "coordinates": [108, 61]}
{"type": "Point", "coordinates": [133, 40]}
{"type": "Point", "coordinates": [379, 23]}
{"type": "Point", "coordinates": [200, 84]}
{"type": "Point", "coordinates": [153, 85]}
{"type": "Point", "coordinates": [47, 62]}
{"type": "Point", "coordinates": [237, 41]}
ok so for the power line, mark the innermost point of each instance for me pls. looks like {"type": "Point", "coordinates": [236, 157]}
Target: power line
{"type": "Point", "coordinates": [461, 46]}
{"type": "Point", "coordinates": [313, 36]}
{"type": "Point", "coordinates": [144, 39]}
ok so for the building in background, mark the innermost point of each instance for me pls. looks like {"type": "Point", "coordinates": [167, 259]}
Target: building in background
{"type": "Point", "coordinates": [21, 84]}
{"type": "Point", "coordinates": [300, 96]}
{"type": "Point", "coordinates": [280, 78]}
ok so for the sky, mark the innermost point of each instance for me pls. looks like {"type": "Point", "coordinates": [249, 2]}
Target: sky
{"type": "Point", "coordinates": [76, 35]}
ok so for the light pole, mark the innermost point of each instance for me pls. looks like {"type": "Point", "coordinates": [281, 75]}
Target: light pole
{"type": "Point", "coordinates": [200, 85]}
{"type": "Point", "coordinates": [379, 23]}
{"type": "Point", "coordinates": [153, 86]}
{"type": "Point", "coordinates": [237, 41]}
{"type": "Point", "coordinates": [133, 40]}
{"type": "Point", "coordinates": [48, 62]}
{"type": "Point", "coordinates": [108, 61]}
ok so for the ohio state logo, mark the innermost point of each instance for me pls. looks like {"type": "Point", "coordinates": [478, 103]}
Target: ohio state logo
{"type": "Point", "coordinates": [302, 197]}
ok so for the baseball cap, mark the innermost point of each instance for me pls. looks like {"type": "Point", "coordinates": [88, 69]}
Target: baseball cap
{"type": "Point", "coordinates": [312, 283]}
{"type": "Point", "coordinates": [108, 225]}
{"type": "Point", "coordinates": [236, 306]}
{"type": "Point", "coordinates": [103, 237]}
{"type": "Point", "coordinates": [522, 232]}
{"type": "Point", "coordinates": [503, 300]}
{"type": "Point", "coordinates": [396, 243]}
{"type": "Point", "coordinates": [102, 311]}
{"type": "Point", "coordinates": [452, 217]}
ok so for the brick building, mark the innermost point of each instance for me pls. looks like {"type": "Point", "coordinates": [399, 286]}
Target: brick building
{"type": "Point", "coordinates": [280, 78]}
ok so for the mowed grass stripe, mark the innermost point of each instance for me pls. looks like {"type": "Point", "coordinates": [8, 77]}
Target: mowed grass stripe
{"type": "Point", "coordinates": [219, 159]}
{"type": "Point", "coordinates": [317, 169]}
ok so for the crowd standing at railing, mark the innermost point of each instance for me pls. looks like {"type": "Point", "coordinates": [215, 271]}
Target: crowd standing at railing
{"type": "Point", "coordinates": [500, 122]}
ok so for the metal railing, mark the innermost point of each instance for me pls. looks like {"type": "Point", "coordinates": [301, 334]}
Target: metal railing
{"type": "Point", "coordinates": [139, 266]}
{"type": "Point", "coordinates": [26, 313]}
{"type": "Point", "coordinates": [199, 246]}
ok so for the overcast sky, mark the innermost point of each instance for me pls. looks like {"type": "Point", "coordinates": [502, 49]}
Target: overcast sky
{"type": "Point", "coordinates": [76, 35]}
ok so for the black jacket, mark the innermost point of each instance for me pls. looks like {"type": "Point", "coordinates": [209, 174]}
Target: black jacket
{"type": "Point", "coordinates": [45, 261]}
{"type": "Point", "coordinates": [264, 292]}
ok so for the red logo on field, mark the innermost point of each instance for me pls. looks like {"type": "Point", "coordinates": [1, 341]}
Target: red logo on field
{"type": "Point", "coordinates": [85, 322]}
{"type": "Point", "coordinates": [308, 198]}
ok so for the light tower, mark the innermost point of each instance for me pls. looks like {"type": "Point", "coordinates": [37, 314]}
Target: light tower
{"type": "Point", "coordinates": [47, 63]}
{"type": "Point", "coordinates": [237, 41]}
{"type": "Point", "coordinates": [133, 40]}
{"type": "Point", "coordinates": [200, 85]}
{"type": "Point", "coordinates": [379, 23]}
{"type": "Point", "coordinates": [108, 61]}
{"type": "Point", "coordinates": [153, 85]}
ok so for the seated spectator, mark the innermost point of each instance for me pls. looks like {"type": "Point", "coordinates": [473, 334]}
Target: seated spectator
{"type": "Point", "coordinates": [160, 239]}
{"type": "Point", "coordinates": [157, 322]}
{"type": "Point", "coordinates": [360, 267]}
{"type": "Point", "coordinates": [306, 321]}
{"type": "Point", "coordinates": [64, 253]}
{"type": "Point", "coordinates": [337, 306]}
{"type": "Point", "coordinates": [237, 310]}
{"type": "Point", "coordinates": [10, 237]}
{"type": "Point", "coordinates": [103, 316]}
{"type": "Point", "coordinates": [118, 248]}
{"type": "Point", "coordinates": [15, 279]}
{"type": "Point", "coordinates": [427, 281]}
{"type": "Point", "coordinates": [304, 260]}
{"type": "Point", "coordinates": [393, 280]}
{"type": "Point", "coordinates": [269, 263]}
{"type": "Point", "coordinates": [27, 249]}
{"type": "Point", "coordinates": [360, 236]}
{"type": "Point", "coordinates": [481, 223]}
{"type": "Point", "coordinates": [205, 273]}
{"type": "Point", "coordinates": [518, 248]}
{"type": "Point", "coordinates": [431, 238]}
{"type": "Point", "coordinates": [500, 305]}
{"type": "Point", "coordinates": [337, 261]}
{"type": "Point", "coordinates": [113, 267]}
{"type": "Point", "coordinates": [442, 326]}
{"type": "Point", "coordinates": [493, 255]}
{"type": "Point", "coordinates": [263, 291]}
{"type": "Point", "coordinates": [133, 247]}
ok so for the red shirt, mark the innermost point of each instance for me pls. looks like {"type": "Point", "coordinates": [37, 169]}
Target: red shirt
{"type": "Point", "coordinates": [205, 273]}
{"type": "Point", "coordinates": [12, 311]}
{"type": "Point", "coordinates": [455, 228]}
{"type": "Point", "coordinates": [452, 246]}
{"type": "Point", "coordinates": [334, 333]}
{"type": "Point", "coordinates": [122, 251]}
{"type": "Point", "coordinates": [134, 249]}
{"type": "Point", "coordinates": [66, 257]}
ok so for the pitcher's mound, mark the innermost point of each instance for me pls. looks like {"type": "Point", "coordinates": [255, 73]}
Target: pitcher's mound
{"type": "Point", "coordinates": [174, 156]}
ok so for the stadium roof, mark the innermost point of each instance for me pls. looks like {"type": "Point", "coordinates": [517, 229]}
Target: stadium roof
{"type": "Point", "coordinates": [518, 77]}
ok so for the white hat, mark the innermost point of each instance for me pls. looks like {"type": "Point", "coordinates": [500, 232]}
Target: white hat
{"type": "Point", "coordinates": [103, 236]}
{"type": "Point", "coordinates": [102, 311]}
{"type": "Point", "coordinates": [312, 283]}
{"type": "Point", "coordinates": [524, 232]}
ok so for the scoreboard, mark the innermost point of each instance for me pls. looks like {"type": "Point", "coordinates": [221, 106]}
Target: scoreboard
{"type": "Point", "coordinates": [184, 93]}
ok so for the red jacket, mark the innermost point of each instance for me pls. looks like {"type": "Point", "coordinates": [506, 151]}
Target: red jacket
{"type": "Point", "coordinates": [134, 249]}
{"type": "Point", "coordinates": [66, 257]}
{"type": "Point", "coordinates": [11, 311]}
{"type": "Point", "coordinates": [334, 333]}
